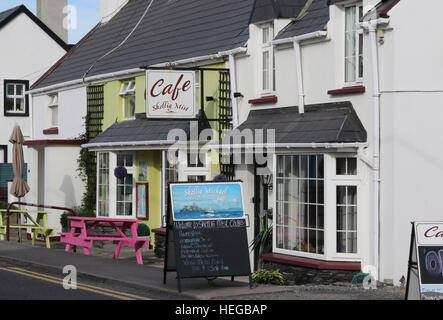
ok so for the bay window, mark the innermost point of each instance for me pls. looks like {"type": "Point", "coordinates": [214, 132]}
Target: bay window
{"type": "Point", "coordinates": [353, 43]}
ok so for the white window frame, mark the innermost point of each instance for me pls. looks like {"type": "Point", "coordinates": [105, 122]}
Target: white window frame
{"type": "Point", "coordinates": [98, 185]}
{"type": "Point", "coordinates": [15, 96]}
{"type": "Point", "coordinates": [53, 108]}
{"type": "Point", "coordinates": [112, 198]}
{"type": "Point", "coordinates": [345, 181]}
{"type": "Point", "coordinates": [320, 256]}
{"type": "Point", "coordinates": [128, 89]}
{"type": "Point", "coordinates": [268, 48]}
{"type": "Point", "coordinates": [358, 31]}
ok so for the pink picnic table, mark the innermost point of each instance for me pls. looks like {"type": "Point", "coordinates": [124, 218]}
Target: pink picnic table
{"type": "Point", "coordinates": [85, 237]}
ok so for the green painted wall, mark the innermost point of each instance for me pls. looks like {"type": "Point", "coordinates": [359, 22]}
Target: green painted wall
{"type": "Point", "coordinates": [153, 160]}
{"type": "Point", "coordinates": [114, 112]}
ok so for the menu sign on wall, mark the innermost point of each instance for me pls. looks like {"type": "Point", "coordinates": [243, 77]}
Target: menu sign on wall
{"type": "Point", "coordinates": [427, 261]}
{"type": "Point", "coordinates": [170, 94]}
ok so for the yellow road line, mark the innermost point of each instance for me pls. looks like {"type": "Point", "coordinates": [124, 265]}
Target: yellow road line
{"type": "Point", "coordinates": [60, 282]}
{"type": "Point", "coordinates": [83, 284]}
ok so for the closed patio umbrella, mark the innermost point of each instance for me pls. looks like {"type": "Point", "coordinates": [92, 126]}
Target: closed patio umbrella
{"type": "Point", "coordinates": [19, 186]}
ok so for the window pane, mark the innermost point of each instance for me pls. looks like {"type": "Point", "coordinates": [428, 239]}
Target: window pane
{"type": "Point", "coordinates": [320, 217]}
{"type": "Point", "coordinates": [352, 195]}
{"type": "Point", "coordinates": [303, 167]}
{"type": "Point", "coordinates": [9, 104]}
{"type": "Point", "coordinates": [341, 218]}
{"type": "Point", "coordinates": [54, 117]}
{"type": "Point", "coordinates": [341, 195]}
{"type": "Point", "coordinates": [320, 167]}
{"type": "Point", "coordinates": [352, 166]}
{"type": "Point", "coordinates": [320, 242]}
{"type": "Point", "coordinates": [265, 35]}
{"type": "Point", "coordinates": [10, 89]}
{"type": "Point", "coordinates": [265, 68]}
{"type": "Point", "coordinates": [312, 216]}
{"type": "Point", "coordinates": [20, 104]}
{"type": "Point", "coordinates": [352, 218]}
{"type": "Point", "coordinates": [341, 242]}
{"type": "Point", "coordinates": [19, 90]}
{"type": "Point", "coordinates": [341, 166]}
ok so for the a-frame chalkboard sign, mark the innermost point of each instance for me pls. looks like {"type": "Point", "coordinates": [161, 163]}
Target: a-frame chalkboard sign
{"type": "Point", "coordinates": [425, 269]}
{"type": "Point", "coordinates": [206, 231]}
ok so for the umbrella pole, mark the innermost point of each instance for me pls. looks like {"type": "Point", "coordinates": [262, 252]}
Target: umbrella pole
{"type": "Point", "coordinates": [19, 222]}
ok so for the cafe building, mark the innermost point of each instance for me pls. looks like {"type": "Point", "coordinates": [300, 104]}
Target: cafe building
{"type": "Point", "coordinates": [105, 107]}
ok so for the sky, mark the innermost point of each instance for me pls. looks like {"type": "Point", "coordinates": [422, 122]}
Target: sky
{"type": "Point", "coordinates": [88, 14]}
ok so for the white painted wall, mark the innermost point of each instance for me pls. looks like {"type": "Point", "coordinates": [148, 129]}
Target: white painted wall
{"type": "Point", "coordinates": [72, 104]}
{"type": "Point", "coordinates": [54, 167]}
{"type": "Point", "coordinates": [411, 153]}
{"type": "Point", "coordinates": [28, 54]}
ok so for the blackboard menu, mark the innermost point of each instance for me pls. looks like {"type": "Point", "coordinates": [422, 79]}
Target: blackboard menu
{"type": "Point", "coordinates": [211, 248]}
{"type": "Point", "coordinates": [206, 231]}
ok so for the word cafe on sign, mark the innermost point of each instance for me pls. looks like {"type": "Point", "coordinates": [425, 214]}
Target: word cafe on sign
{"type": "Point", "coordinates": [170, 94]}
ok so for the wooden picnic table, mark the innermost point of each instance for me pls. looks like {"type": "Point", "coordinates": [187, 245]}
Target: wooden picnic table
{"type": "Point", "coordinates": [86, 237]}
{"type": "Point", "coordinates": [38, 226]}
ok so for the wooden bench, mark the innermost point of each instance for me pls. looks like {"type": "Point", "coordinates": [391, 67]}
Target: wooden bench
{"type": "Point", "coordinates": [86, 239]}
{"type": "Point", "coordinates": [39, 226]}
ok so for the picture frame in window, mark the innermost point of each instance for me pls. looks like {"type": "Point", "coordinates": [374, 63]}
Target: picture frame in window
{"type": "Point", "coordinates": [142, 200]}
{"type": "Point", "coordinates": [6, 97]}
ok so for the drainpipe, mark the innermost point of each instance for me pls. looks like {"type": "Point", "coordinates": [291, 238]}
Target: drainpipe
{"type": "Point", "coordinates": [376, 146]}
{"type": "Point", "coordinates": [299, 72]}
{"type": "Point", "coordinates": [232, 76]}
{"type": "Point", "coordinates": [296, 41]}
{"type": "Point", "coordinates": [372, 26]}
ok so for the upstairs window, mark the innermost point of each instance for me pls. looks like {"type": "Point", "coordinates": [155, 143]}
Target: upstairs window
{"type": "Point", "coordinates": [127, 92]}
{"type": "Point", "coordinates": [15, 99]}
{"type": "Point", "coordinates": [53, 110]}
{"type": "Point", "coordinates": [353, 43]}
{"type": "Point", "coordinates": [268, 62]}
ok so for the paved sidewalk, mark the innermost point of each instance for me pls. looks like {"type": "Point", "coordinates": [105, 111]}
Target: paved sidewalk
{"type": "Point", "coordinates": [126, 272]}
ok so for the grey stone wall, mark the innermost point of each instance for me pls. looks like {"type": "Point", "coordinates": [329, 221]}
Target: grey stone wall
{"type": "Point", "coordinates": [295, 275]}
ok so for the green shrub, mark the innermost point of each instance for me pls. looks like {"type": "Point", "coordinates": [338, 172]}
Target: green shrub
{"type": "Point", "coordinates": [4, 206]}
{"type": "Point", "coordinates": [81, 212]}
{"type": "Point", "coordinates": [143, 230]}
{"type": "Point", "coordinates": [264, 276]}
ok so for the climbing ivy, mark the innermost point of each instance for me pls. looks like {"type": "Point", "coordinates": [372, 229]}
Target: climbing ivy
{"type": "Point", "coordinates": [87, 171]}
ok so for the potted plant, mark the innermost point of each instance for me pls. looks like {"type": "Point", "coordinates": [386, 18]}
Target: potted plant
{"type": "Point", "coordinates": [263, 240]}
{"type": "Point", "coordinates": [143, 231]}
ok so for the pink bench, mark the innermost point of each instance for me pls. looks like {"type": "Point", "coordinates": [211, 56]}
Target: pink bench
{"type": "Point", "coordinates": [85, 238]}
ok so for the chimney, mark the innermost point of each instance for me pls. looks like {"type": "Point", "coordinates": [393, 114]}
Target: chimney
{"type": "Point", "coordinates": [109, 8]}
{"type": "Point", "coordinates": [51, 13]}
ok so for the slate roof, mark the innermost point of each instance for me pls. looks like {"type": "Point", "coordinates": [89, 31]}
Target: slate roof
{"type": "Point", "coordinates": [9, 15]}
{"type": "Point", "coordinates": [321, 123]}
{"type": "Point", "coordinates": [145, 130]}
{"type": "Point", "coordinates": [274, 9]}
{"type": "Point", "coordinates": [172, 30]}
{"type": "Point", "coordinates": [316, 19]}
{"type": "Point", "coordinates": [381, 10]}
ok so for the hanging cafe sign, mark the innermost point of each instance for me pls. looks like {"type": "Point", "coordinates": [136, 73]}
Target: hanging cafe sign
{"type": "Point", "coordinates": [170, 94]}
